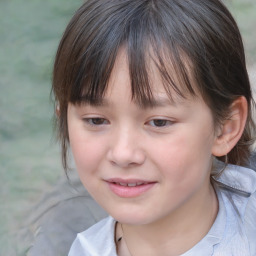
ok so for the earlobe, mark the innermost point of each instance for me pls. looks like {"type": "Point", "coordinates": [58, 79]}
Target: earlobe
{"type": "Point", "coordinates": [232, 128]}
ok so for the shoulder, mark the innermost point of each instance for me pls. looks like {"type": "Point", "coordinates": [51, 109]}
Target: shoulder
{"type": "Point", "coordinates": [237, 186]}
{"type": "Point", "coordinates": [250, 222]}
{"type": "Point", "coordinates": [97, 240]}
{"type": "Point", "coordinates": [239, 180]}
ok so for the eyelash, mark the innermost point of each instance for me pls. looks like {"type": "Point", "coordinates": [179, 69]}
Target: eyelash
{"type": "Point", "coordinates": [99, 121]}
{"type": "Point", "coordinates": [163, 123]}
{"type": "Point", "coordinates": [93, 121]}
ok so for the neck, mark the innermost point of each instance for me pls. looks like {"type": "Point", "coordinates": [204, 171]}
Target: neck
{"type": "Point", "coordinates": [176, 233]}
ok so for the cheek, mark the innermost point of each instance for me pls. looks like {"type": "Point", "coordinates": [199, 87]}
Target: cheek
{"type": "Point", "coordinates": [87, 151]}
{"type": "Point", "coordinates": [85, 154]}
{"type": "Point", "coordinates": [185, 156]}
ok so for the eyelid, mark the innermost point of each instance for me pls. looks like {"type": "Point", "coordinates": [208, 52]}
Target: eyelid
{"type": "Point", "coordinates": [89, 121]}
{"type": "Point", "coordinates": [167, 124]}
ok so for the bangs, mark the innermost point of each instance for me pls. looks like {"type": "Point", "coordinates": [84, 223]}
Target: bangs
{"type": "Point", "coordinates": [147, 46]}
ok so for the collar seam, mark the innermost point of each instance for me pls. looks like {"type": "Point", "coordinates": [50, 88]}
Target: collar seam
{"type": "Point", "coordinates": [232, 188]}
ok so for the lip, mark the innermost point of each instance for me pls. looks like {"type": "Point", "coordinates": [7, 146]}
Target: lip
{"type": "Point", "coordinates": [129, 188]}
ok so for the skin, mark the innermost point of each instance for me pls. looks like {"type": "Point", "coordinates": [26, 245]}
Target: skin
{"type": "Point", "coordinates": [169, 145]}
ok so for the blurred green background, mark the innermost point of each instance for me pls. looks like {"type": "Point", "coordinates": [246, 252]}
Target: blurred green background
{"type": "Point", "coordinates": [29, 154]}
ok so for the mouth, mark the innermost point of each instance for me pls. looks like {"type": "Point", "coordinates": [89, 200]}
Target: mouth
{"type": "Point", "coordinates": [124, 184]}
{"type": "Point", "coordinates": [129, 188]}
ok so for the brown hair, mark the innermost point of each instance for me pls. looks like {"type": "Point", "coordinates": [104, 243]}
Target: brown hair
{"type": "Point", "coordinates": [202, 30]}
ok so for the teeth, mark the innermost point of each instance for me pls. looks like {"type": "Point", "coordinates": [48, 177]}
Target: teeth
{"type": "Point", "coordinates": [130, 184]}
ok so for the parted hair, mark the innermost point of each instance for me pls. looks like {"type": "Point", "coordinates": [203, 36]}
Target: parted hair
{"type": "Point", "coordinates": [172, 33]}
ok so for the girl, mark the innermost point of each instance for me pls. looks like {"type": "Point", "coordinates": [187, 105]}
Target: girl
{"type": "Point", "coordinates": [154, 100]}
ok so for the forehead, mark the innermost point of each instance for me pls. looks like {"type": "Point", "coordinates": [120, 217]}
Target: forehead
{"type": "Point", "coordinates": [161, 92]}
{"type": "Point", "coordinates": [155, 71]}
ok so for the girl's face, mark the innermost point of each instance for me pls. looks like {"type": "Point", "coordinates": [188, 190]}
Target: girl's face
{"type": "Point", "coordinates": [142, 164]}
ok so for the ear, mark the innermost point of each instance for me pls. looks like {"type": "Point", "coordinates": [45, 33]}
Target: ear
{"type": "Point", "coordinates": [57, 109]}
{"type": "Point", "coordinates": [232, 129]}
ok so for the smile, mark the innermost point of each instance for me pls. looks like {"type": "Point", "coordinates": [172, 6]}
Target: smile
{"type": "Point", "coordinates": [129, 188]}
{"type": "Point", "coordinates": [130, 184]}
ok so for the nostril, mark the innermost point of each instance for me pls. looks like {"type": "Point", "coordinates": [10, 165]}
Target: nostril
{"type": "Point", "coordinates": [124, 158]}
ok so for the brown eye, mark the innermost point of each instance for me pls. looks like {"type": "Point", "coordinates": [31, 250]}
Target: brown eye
{"type": "Point", "coordinates": [159, 122]}
{"type": "Point", "coordinates": [96, 121]}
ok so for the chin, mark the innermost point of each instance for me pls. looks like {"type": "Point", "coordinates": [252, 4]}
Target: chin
{"type": "Point", "coordinates": [132, 218]}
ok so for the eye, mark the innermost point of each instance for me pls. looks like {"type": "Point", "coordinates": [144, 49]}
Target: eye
{"type": "Point", "coordinates": [96, 121]}
{"type": "Point", "coordinates": [160, 122]}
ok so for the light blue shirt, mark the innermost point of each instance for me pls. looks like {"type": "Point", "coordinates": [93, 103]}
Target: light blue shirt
{"type": "Point", "coordinates": [232, 234]}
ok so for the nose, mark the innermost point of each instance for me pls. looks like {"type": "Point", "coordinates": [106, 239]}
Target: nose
{"type": "Point", "coordinates": [125, 150]}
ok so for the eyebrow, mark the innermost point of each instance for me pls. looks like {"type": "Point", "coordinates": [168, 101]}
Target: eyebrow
{"type": "Point", "coordinates": [100, 102]}
{"type": "Point", "coordinates": [145, 104]}
{"type": "Point", "coordinates": [160, 102]}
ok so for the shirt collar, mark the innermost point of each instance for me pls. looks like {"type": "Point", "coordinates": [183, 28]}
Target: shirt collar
{"type": "Point", "coordinates": [215, 234]}
{"type": "Point", "coordinates": [237, 179]}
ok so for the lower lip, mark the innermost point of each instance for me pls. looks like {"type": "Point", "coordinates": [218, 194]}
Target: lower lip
{"type": "Point", "coordinates": [128, 192]}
